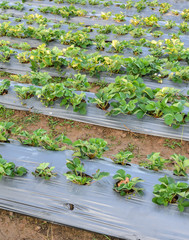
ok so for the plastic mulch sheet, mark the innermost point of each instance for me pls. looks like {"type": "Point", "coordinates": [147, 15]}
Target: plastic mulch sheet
{"type": "Point", "coordinates": [96, 116]}
{"type": "Point", "coordinates": [97, 207]}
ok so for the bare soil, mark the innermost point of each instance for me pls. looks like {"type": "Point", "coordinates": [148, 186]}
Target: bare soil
{"type": "Point", "coordinates": [140, 144]}
{"type": "Point", "coordinates": [16, 226]}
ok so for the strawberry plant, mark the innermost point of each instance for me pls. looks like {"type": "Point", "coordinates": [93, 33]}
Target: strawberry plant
{"type": "Point", "coordinates": [100, 41]}
{"type": "Point", "coordinates": [95, 147]}
{"type": "Point", "coordinates": [185, 14]}
{"type": "Point", "coordinates": [155, 162]}
{"type": "Point", "coordinates": [184, 27]}
{"type": "Point", "coordinates": [153, 3]}
{"type": "Point", "coordinates": [157, 34]}
{"type": "Point", "coordinates": [24, 46]}
{"type": "Point", "coordinates": [25, 92]}
{"type": "Point", "coordinates": [129, 4]}
{"type": "Point", "coordinates": [107, 3]}
{"type": "Point", "coordinates": [182, 74]}
{"type": "Point", "coordinates": [31, 18]}
{"type": "Point", "coordinates": [101, 100]}
{"type": "Point", "coordinates": [174, 47]}
{"type": "Point", "coordinates": [181, 164]}
{"type": "Point", "coordinates": [49, 93]}
{"type": "Point", "coordinates": [125, 185]}
{"type": "Point", "coordinates": [123, 157]}
{"type": "Point", "coordinates": [5, 84]}
{"type": "Point", "coordinates": [94, 2]}
{"type": "Point", "coordinates": [104, 29]}
{"type": "Point", "coordinates": [79, 82]}
{"type": "Point", "coordinates": [118, 46]}
{"type": "Point", "coordinates": [143, 66]}
{"type": "Point", "coordinates": [151, 21]}
{"type": "Point", "coordinates": [5, 131]}
{"type": "Point", "coordinates": [40, 78]}
{"type": "Point", "coordinates": [140, 5]}
{"type": "Point", "coordinates": [164, 7]}
{"type": "Point", "coordinates": [79, 39]}
{"type": "Point", "coordinates": [170, 192]}
{"type": "Point", "coordinates": [123, 29]}
{"type": "Point", "coordinates": [44, 171]}
{"type": "Point", "coordinates": [10, 169]}
{"type": "Point", "coordinates": [138, 32]}
{"type": "Point", "coordinates": [170, 24]}
{"type": "Point", "coordinates": [5, 53]}
{"type": "Point", "coordinates": [119, 17]}
{"type": "Point", "coordinates": [106, 16]}
{"type": "Point", "coordinates": [40, 137]}
{"type": "Point", "coordinates": [44, 57]}
{"type": "Point", "coordinates": [23, 57]}
{"type": "Point", "coordinates": [167, 92]}
{"type": "Point", "coordinates": [77, 174]}
{"type": "Point", "coordinates": [137, 51]}
{"type": "Point", "coordinates": [64, 11]}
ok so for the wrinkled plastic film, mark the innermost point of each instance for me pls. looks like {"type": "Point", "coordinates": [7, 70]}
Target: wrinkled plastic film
{"type": "Point", "coordinates": [147, 125]}
{"type": "Point", "coordinates": [15, 67]}
{"type": "Point", "coordinates": [97, 207]}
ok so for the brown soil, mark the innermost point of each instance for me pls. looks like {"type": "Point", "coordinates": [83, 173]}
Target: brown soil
{"type": "Point", "coordinates": [140, 144]}
{"type": "Point", "coordinates": [16, 226]}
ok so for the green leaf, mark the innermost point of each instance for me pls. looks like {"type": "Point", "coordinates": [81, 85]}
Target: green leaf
{"type": "Point", "coordinates": [169, 119]}
{"type": "Point", "coordinates": [178, 117]}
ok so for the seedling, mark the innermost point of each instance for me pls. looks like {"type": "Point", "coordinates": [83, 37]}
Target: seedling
{"type": "Point", "coordinates": [125, 185]}
{"type": "Point", "coordinates": [25, 92]}
{"type": "Point", "coordinates": [5, 131]}
{"type": "Point", "coordinates": [10, 169]}
{"type": "Point", "coordinates": [155, 162]}
{"type": "Point", "coordinates": [41, 138]}
{"type": "Point", "coordinates": [5, 84]}
{"type": "Point", "coordinates": [44, 171]}
{"type": "Point", "coordinates": [123, 157]}
{"type": "Point", "coordinates": [181, 164]}
{"type": "Point", "coordinates": [170, 192]}
{"type": "Point", "coordinates": [164, 7]}
{"type": "Point", "coordinates": [185, 14]}
{"type": "Point", "coordinates": [77, 174]}
{"type": "Point", "coordinates": [101, 100]}
{"type": "Point", "coordinates": [171, 144]}
{"type": "Point", "coordinates": [106, 15]}
{"type": "Point", "coordinates": [95, 147]}
{"type": "Point", "coordinates": [157, 34]}
{"type": "Point", "coordinates": [140, 5]}
{"type": "Point", "coordinates": [119, 17]}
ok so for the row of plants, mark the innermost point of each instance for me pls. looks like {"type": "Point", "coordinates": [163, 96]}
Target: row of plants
{"type": "Point", "coordinates": [128, 95]}
{"type": "Point", "coordinates": [140, 5]}
{"type": "Point", "coordinates": [93, 148]}
{"type": "Point", "coordinates": [151, 22]}
{"type": "Point", "coordinates": [94, 63]}
{"type": "Point", "coordinates": [168, 192]}
{"type": "Point", "coordinates": [48, 34]}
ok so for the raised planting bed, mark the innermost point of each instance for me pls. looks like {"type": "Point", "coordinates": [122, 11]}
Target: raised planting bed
{"type": "Point", "coordinates": [96, 116]}
{"type": "Point", "coordinates": [96, 207]}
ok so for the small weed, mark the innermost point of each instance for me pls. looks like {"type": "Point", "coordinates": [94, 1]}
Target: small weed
{"type": "Point", "coordinates": [112, 138]}
{"type": "Point", "coordinates": [34, 118]}
{"type": "Point", "coordinates": [130, 147]}
{"type": "Point", "coordinates": [87, 126]}
{"type": "Point", "coordinates": [52, 123]}
{"type": "Point", "coordinates": [172, 144]}
{"type": "Point", "coordinates": [6, 113]}
{"type": "Point", "coordinates": [69, 122]}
